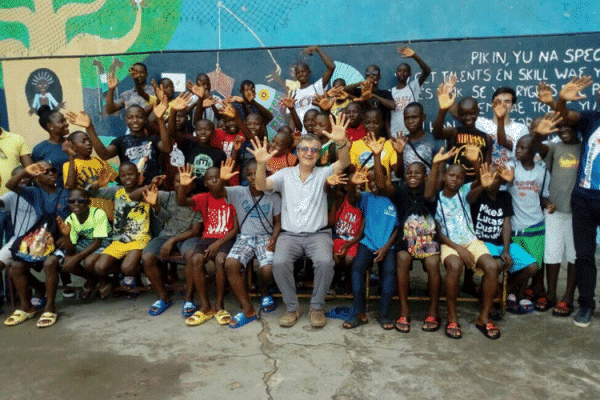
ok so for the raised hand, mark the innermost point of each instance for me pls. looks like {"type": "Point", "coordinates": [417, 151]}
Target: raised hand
{"type": "Point", "coordinates": [186, 176]}
{"type": "Point", "coordinates": [182, 101]}
{"type": "Point", "coordinates": [69, 148]}
{"type": "Point", "coordinates": [366, 87]}
{"type": "Point", "coordinates": [151, 195]}
{"type": "Point", "coordinates": [227, 110]}
{"type": "Point", "coordinates": [288, 101]}
{"type": "Point", "coordinates": [487, 175]}
{"type": "Point", "coordinates": [198, 90]}
{"type": "Point", "coordinates": [160, 107]}
{"type": "Point", "coordinates": [81, 119]}
{"type": "Point", "coordinates": [544, 93]}
{"type": "Point", "coordinates": [338, 93]}
{"type": "Point", "coordinates": [238, 142]}
{"type": "Point", "coordinates": [158, 90]}
{"type": "Point", "coordinates": [446, 95]}
{"type": "Point", "coordinates": [63, 227]}
{"type": "Point", "coordinates": [508, 174]}
{"type": "Point", "coordinates": [35, 169]}
{"type": "Point", "coordinates": [500, 108]}
{"type": "Point", "coordinates": [570, 91]}
{"type": "Point", "coordinates": [360, 176]}
{"type": "Point", "coordinates": [376, 145]}
{"type": "Point", "coordinates": [548, 124]}
{"type": "Point", "coordinates": [210, 101]}
{"type": "Point", "coordinates": [227, 172]}
{"type": "Point", "coordinates": [337, 179]}
{"type": "Point", "coordinates": [158, 180]}
{"type": "Point", "coordinates": [399, 143]}
{"type": "Point", "coordinates": [104, 177]}
{"type": "Point", "coordinates": [112, 80]}
{"type": "Point", "coordinates": [441, 156]}
{"type": "Point", "coordinates": [310, 50]}
{"type": "Point", "coordinates": [338, 128]}
{"type": "Point", "coordinates": [260, 151]}
{"type": "Point", "coordinates": [323, 102]}
{"type": "Point", "coordinates": [472, 152]}
{"type": "Point", "coordinates": [406, 52]}
{"type": "Point", "coordinates": [233, 99]}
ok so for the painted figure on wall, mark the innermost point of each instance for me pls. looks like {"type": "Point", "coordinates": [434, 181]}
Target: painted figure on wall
{"type": "Point", "coordinates": [43, 88]}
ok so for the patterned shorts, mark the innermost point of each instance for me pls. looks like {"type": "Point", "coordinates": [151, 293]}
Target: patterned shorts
{"type": "Point", "coordinates": [247, 247]}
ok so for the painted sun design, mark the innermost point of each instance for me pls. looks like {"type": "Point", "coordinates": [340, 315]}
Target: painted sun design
{"type": "Point", "coordinates": [263, 95]}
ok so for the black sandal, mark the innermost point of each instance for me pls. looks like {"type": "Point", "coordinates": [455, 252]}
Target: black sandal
{"type": "Point", "coordinates": [354, 323]}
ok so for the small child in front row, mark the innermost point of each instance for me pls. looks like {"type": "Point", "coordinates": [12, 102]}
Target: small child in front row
{"type": "Point", "coordinates": [460, 248]}
{"type": "Point", "coordinates": [259, 218]}
{"type": "Point", "coordinates": [181, 227]}
{"type": "Point", "coordinates": [131, 229]}
{"type": "Point", "coordinates": [220, 229]}
{"type": "Point", "coordinates": [562, 159]}
{"type": "Point", "coordinates": [529, 192]}
{"type": "Point", "coordinates": [377, 245]}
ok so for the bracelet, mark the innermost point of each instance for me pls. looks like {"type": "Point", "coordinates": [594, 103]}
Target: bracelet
{"type": "Point", "coordinates": [342, 146]}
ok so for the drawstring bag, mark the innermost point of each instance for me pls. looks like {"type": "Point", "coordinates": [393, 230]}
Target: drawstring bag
{"type": "Point", "coordinates": [38, 242]}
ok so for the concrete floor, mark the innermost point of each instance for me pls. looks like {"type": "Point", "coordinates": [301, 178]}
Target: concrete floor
{"type": "Point", "coordinates": [114, 350]}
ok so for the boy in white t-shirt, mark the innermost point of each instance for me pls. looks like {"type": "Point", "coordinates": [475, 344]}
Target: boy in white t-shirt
{"type": "Point", "coordinates": [406, 92]}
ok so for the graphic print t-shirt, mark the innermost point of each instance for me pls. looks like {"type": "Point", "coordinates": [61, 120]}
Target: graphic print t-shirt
{"type": "Point", "coordinates": [349, 219]}
{"type": "Point", "coordinates": [488, 216]}
{"type": "Point", "coordinates": [218, 215]}
{"type": "Point", "coordinates": [142, 150]}
{"type": "Point", "coordinates": [469, 136]}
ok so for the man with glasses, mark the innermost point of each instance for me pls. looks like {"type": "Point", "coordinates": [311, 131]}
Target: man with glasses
{"type": "Point", "coordinates": [303, 218]}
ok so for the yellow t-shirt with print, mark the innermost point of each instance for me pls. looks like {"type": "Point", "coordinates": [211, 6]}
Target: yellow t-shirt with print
{"type": "Point", "coordinates": [360, 154]}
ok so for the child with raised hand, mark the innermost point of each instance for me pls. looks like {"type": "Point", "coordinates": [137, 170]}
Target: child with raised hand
{"type": "Point", "coordinates": [247, 104]}
{"type": "Point", "coordinates": [208, 102]}
{"type": "Point", "coordinates": [288, 103]}
{"type": "Point", "coordinates": [491, 210]}
{"type": "Point", "coordinates": [259, 218]}
{"type": "Point", "coordinates": [131, 228]}
{"type": "Point", "coordinates": [362, 156]}
{"type": "Point", "coordinates": [220, 229]}
{"type": "Point", "coordinates": [88, 231]}
{"type": "Point", "coordinates": [466, 133]}
{"type": "Point", "coordinates": [415, 206]}
{"type": "Point", "coordinates": [282, 144]}
{"type": "Point", "coordinates": [139, 147]}
{"type": "Point", "coordinates": [562, 160]}
{"type": "Point", "coordinates": [460, 248]}
{"type": "Point", "coordinates": [328, 154]}
{"type": "Point", "coordinates": [139, 75]}
{"type": "Point", "coordinates": [529, 191]}
{"type": "Point", "coordinates": [377, 245]}
{"type": "Point", "coordinates": [181, 226]}
{"type": "Point", "coordinates": [307, 91]}
{"type": "Point", "coordinates": [309, 122]}
{"type": "Point", "coordinates": [340, 97]}
{"type": "Point", "coordinates": [406, 92]}
{"type": "Point", "coordinates": [46, 199]}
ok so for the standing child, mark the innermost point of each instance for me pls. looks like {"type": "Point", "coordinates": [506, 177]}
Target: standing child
{"type": "Point", "coordinates": [529, 191]}
{"type": "Point", "coordinates": [220, 228]}
{"type": "Point", "coordinates": [282, 144]}
{"type": "Point", "coordinates": [328, 154]}
{"type": "Point", "coordinates": [356, 129]}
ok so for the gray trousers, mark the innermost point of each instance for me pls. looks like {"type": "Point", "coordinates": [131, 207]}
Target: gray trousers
{"type": "Point", "coordinates": [291, 246]}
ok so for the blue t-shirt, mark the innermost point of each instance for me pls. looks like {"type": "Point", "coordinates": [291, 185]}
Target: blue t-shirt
{"type": "Point", "coordinates": [46, 203]}
{"type": "Point", "coordinates": [588, 173]}
{"type": "Point", "coordinates": [380, 219]}
{"type": "Point", "coordinates": [53, 153]}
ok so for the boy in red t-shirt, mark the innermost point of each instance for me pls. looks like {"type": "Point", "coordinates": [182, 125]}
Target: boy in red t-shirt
{"type": "Point", "coordinates": [220, 230]}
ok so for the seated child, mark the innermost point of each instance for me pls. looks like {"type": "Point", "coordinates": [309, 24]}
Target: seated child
{"type": "Point", "coordinates": [492, 210]}
{"type": "Point", "coordinates": [46, 199]}
{"type": "Point", "coordinates": [460, 247]}
{"type": "Point", "coordinates": [529, 191]}
{"type": "Point", "coordinates": [415, 206]}
{"type": "Point", "coordinates": [131, 229]}
{"type": "Point", "coordinates": [220, 228]}
{"type": "Point", "coordinates": [180, 229]}
{"type": "Point", "coordinates": [259, 218]}
{"type": "Point", "coordinates": [562, 159]}
{"type": "Point", "coordinates": [282, 143]}
{"type": "Point", "coordinates": [377, 245]}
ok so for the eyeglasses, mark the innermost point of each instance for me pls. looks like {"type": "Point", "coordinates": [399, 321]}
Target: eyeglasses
{"type": "Point", "coordinates": [77, 201]}
{"type": "Point", "coordinates": [52, 170]}
{"type": "Point", "coordinates": [312, 150]}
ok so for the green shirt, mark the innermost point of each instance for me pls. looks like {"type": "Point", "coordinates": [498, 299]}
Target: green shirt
{"type": "Point", "coordinates": [95, 226]}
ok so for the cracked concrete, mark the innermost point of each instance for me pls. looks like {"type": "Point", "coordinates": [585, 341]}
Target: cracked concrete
{"type": "Point", "coordinates": [114, 350]}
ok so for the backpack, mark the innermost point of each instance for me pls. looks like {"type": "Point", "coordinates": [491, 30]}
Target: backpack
{"type": "Point", "coordinates": [38, 242]}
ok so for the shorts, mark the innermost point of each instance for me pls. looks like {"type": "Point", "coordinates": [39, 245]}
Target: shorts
{"type": "Point", "coordinates": [521, 258]}
{"type": "Point", "coordinates": [200, 245]}
{"type": "Point", "coordinates": [80, 246]}
{"type": "Point", "coordinates": [119, 249]}
{"type": "Point", "coordinates": [182, 246]}
{"type": "Point", "coordinates": [476, 247]}
{"type": "Point", "coordinates": [532, 240]}
{"type": "Point", "coordinates": [247, 247]}
{"type": "Point", "coordinates": [338, 243]}
{"type": "Point", "coordinates": [559, 238]}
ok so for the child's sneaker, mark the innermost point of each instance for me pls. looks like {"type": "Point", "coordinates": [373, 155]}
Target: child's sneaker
{"type": "Point", "coordinates": [68, 292]}
{"type": "Point", "coordinates": [583, 317]}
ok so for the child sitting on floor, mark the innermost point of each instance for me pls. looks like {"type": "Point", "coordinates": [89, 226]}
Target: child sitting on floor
{"type": "Point", "coordinates": [220, 228]}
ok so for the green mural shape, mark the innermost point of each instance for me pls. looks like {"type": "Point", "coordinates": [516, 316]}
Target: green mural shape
{"type": "Point", "coordinates": [159, 21]}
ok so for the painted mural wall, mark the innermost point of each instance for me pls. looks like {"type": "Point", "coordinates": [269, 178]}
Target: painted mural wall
{"type": "Point", "coordinates": [58, 52]}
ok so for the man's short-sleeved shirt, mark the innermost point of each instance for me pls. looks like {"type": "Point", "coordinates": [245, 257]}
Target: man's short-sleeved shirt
{"type": "Point", "coordinates": [96, 226]}
{"type": "Point", "coordinates": [403, 97]}
{"type": "Point", "coordinates": [303, 204]}
{"type": "Point", "coordinates": [488, 216]}
{"type": "Point", "coordinates": [514, 131]}
{"type": "Point", "coordinates": [254, 214]}
{"type": "Point", "coordinates": [12, 148]}
{"type": "Point", "coordinates": [218, 215]}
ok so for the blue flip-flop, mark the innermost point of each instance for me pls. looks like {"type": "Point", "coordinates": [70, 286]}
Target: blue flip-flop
{"type": "Point", "coordinates": [188, 309]}
{"type": "Point", "coordinates": [343, 313]}
{"type": "Point", "coordinates": [267, 304]}
{"type": "Point", "coordinates": [159, 307]}
{"type": "Point", "coordinates": [241, 320]}
{"type": "Point", "coordinates": [38, 302]}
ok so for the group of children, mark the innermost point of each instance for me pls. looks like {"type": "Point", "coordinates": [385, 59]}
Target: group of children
{"type": "Point", "coordinates": [192, 194]}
